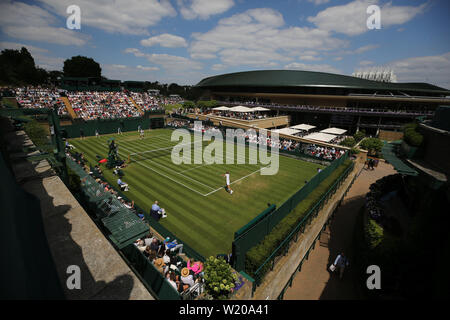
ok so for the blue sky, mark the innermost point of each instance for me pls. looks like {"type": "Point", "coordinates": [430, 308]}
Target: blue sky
{"type": "Point", "coordinates": [184, 41]}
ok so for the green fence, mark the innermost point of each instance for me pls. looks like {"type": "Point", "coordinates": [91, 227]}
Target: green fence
{"type": "Point", "coordinates": [306, 256]}
{"type": "Point", "coordinates": [250, 235]}
{"type": "Point", "coordinates": [108, 126]}
{"type": "Point", "coordinates": [284, 246]}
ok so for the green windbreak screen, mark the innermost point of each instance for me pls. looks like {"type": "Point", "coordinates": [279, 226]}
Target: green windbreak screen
{"type": "Point", "coordinates": [389, 154]}
{"type": "Point", "coordinates": [124, 226]}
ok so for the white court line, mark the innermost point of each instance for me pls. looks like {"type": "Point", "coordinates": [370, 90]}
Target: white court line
{"type": "Point", "coordinates": [176, 181]}
{"type": "Point", "coordinates": [234, 182]}
{"type": "Point", "coordinates": [208, 164]}
{"type": "Point", "coordinates": [172, 178]}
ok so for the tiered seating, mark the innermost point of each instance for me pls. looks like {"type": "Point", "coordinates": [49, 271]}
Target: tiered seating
{"type": "Point", "coordinates": [151, 102]}
{"type": "Point", "coordinates": [105, 105]}
{"type": "Point", "coordinates": [146, 101]}
{"type": "Point", "coordinates": [38, 97]}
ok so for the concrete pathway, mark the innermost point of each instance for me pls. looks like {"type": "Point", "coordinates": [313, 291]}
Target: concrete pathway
{"type": "Point", "coordinates": [314, 282]}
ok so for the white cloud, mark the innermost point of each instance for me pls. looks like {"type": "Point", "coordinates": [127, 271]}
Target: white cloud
{"type": "Point", "coordinates": [366, 48]}
{"type": "Point", "coordinates": [431, 69]}
{"type": "Point", "coordinates": [366, 63]}
{"type": "Point", "coordinates": [147, 68]}
{"type": "Point", "coordinates": [258, 37]}
{"type": "Point", "coordinates": [360, 50]}
{"type": "Point", "coordinates": [351, 18]}
{"type": "Point", "coordinates": [168, 62]}
{"type": "Point", "coordinates": [203, 9]}
{"type": "Point", "coordinates": [312, 67]}
{"type": "Point", "coordinates": [118, 66]}
{"type": "Point", "coordinates": [117, 16]}
{"type": "Point", "coordinates": [310, 58]}
{"type": "Point", "coordinates": [165, 40]}
{"type": "Point", "coordinates": [135, 51]}
{"type": "Point", "coordinates": [318, 2]}
{"type": "Point", "coordinates": [218, 67]}
{"type": "Point", "coordinates": [30, 22]}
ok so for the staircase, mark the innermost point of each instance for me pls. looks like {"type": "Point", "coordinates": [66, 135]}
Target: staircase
{"type": "Point", "coordinates": [69, 108]}
{"type": "Point", "coordinates": [136, 105]}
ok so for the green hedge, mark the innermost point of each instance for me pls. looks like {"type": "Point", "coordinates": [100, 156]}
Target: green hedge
{"type": "Point", "coordinates": [373, 233]}
{"type": "Point", "coordinates": [360, 135]}
{"type": "Point", "coordinates": [411, 135]}
{"type": "Point", "coordinates": [348, 142]}
{"type": "Point", "coordinates": [372, 144]}
{"type": "Point", "coordinates": [257, 255]}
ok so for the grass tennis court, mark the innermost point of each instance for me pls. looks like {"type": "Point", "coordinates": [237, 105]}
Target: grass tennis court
{"type": "Point", "coordinates": [200, 211]}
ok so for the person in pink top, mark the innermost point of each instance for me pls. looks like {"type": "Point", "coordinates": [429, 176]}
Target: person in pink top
{"type": "Point", "coordinates": [195, 267]}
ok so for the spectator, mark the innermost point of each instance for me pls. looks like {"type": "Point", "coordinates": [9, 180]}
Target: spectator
{"type": "Point", "coordinates": [155, 245]}
{"type": "Point", "coordinates": [170, 276]}
{"type": "Point", "coordinates": [166, 257]}
{"type": "Point", "coordinates": [186, 277]}
{"type": "Point", "coordinates": [140, 244]}
{"type": "Point", "coordinates": [341, 263]}
{"type": "Point", "coordinates": [172, 246]}
{"type": "Point", "coordinates": [123, 186]}
{"type": "Point", "coordinates": [156, 212]}
{"type": "Point", "coordinates": [159, 265]}
{"type": "Point", "coordinates": [195, 267]}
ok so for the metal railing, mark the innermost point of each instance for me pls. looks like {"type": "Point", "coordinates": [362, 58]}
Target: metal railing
{"type": "Point", "coordinates": [284, 246]}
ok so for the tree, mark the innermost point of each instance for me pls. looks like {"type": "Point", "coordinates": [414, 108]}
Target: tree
{"type": "Point", "coordinates": [348, 142]}
{"type": "Point", "coordinates": [359, 136]}
{"type": "Point", "coordinates": [188, 105]}
{"type": "Point", "coordinates": [18, 67]}
{"type": "Point", "coordinates": [80, 66]}
{"type": "Point", "coordinates": [374, 144]}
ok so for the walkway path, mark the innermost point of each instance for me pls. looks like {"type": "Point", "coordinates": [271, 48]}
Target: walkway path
{"type": "Point", "coordinates": [314, 281]}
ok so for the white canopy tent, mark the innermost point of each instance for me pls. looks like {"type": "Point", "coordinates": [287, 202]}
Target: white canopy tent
{"type": "Point", "coordinates": [305, 127]}
{"type": "Point", "coordinates": [289, 131]}
{"type": "Point", "coordinates": [260, 109]}
{"type": "Point", "coordinates": [240, 109]}
{"type": "Point", "coordinates": [222, 108]}
{"type": "Point", "coordinates": [319, 136]}
{"type": "Point", "coordinates": [335, 131]}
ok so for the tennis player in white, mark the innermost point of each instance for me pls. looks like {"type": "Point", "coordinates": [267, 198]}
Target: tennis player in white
{"type": "Point", "coordinates": [227, 178]}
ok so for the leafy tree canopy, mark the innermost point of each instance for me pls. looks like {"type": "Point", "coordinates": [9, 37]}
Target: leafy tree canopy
{"type": "Point", "coordinates": [18, 67]}
{"type": "Point", "coordinates": [80, 66]}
